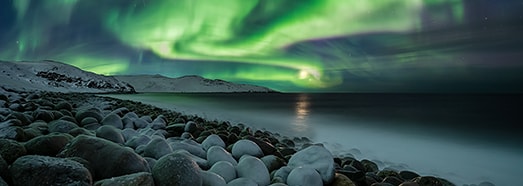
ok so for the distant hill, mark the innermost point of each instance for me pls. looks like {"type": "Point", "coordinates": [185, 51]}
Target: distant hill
{"type": "Point", "coordinates": [56, 77]}
{"type": "Point", "coordinates": [158, 83]}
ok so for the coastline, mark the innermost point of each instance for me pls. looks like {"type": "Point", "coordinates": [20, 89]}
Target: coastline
{"type": "Point", "coordinates": [170, 127]}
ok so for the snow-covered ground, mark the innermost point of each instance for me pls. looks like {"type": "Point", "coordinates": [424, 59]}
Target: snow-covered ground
{"type": "Point", "coordinates": [59, 77]}
{"type": "Point", "coordinates": [56, 77]}
{"type": "Point", "coordinates": [158, 83]}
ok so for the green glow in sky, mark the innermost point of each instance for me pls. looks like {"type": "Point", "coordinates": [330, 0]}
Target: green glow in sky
{"type": "Point", "coordinates": [273, 40]}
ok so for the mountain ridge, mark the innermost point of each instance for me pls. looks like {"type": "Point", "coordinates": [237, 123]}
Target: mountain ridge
{"type": "Point", "coordinates": [187, 84]}
{"type": "Point", "coordinates": [54, 76]}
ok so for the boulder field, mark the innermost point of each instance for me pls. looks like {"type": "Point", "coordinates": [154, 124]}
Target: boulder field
{"type": "Point", "coordinates": [82, 139]}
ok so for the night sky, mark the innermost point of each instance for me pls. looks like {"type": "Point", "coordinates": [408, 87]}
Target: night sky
{"type": "Point", "coordinates": [287, 45]}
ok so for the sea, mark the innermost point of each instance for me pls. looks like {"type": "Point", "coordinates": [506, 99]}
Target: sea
{"type": "Point", "coordinates": [464, 138]}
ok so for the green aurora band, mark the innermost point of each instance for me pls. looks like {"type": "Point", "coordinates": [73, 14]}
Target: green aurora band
{"type": "Point", "coordinates": [255, 34]}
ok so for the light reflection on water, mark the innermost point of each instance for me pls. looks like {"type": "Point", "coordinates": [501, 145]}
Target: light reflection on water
{"type": "Point", "coordinates": [302, 113]}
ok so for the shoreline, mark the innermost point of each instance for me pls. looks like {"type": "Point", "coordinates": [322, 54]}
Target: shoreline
{"type": "Point", "coordinates": [347, 169]}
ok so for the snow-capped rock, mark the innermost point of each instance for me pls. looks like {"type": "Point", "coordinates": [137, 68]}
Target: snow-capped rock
{"type": "Point", "coordinates": [158, 83]}
{"type": "Point", "coordinates": [56, 77]}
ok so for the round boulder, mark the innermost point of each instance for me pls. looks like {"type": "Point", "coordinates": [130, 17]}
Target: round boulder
{"type": "Point", "coordinates": [217, 153]}
{"type": "Point", "coordinates": [304, 176]}
{"type": "Point", "coordinates": [157, 148]}
{"type": "Point", "coordinates": [107, 158]}
{"type": "Point", "coordinates": [90, 112]}
{"type": "Point", "coordinates": [136, 179]}
{"type": "Point", "coordinates": [246, 147]}
{"type": "Point", "coordinates": [47, 145]}
{"type": "Point", "coordinates": [176, 169]}
{"type": "Point", "coordinates": [61, 126]}
{"type": "Point", "coordinates": [212, 179]}
{"type": "Point", "coordinates": [316, 157]}
{"type": "Point", "coordinates": [110, 133]}
{"type": "Point", "coordinates": [225, 169]}
{"type": "Point", "coordinates": [10, 150]}
{"type": "Point", "coordinates": [212, 140]}
{"type": "Point", "coordinates": [253, 168]}
{"type": "Point", "coordinates": [37, 170]}
{"type": "Point", "coordinates": [113, 120]}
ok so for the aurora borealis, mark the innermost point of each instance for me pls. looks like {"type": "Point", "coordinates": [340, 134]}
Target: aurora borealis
{"type": "Point", "coordinates": [287, 45]}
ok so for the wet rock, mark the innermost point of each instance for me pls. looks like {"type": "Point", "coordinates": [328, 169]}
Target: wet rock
{"type": "Point", "coordinates": [43, 115]}
{"type": "Point", "coordinates": [246, 147]}
{"type": "Point", "coordinates": [87, 121]}
{"type": "Point", "coordinates": [369, 166]}
{"type": "Point", "coordinates": [61, 126]}
{"type": "Point", "coordinates": [225, 169]}
{"type": "Point", "coordinates": [157, 148]}
{"type": "Point", "coordinates": [47, 145]}
{"type": "Point", "coordinates": [427, 181]}
{"type": "Point", "coordinates": [212, 140]}
{"type": "Point", "coordinates": [212, 179]}
{"type": "Point", "coordinates": [191, 127]}
{"type": "Point", "coordinates": [316, 157]}
{"type": "Point", "coordinates": [217, 153]}
{"type": "Point", "coordinates": [22, 117]}
{"type": "Point", "coordinates": [242, 182]}
{"type": "Point", "coordinates": [147, 118]}
{"type": "Point", "coordinates": [387, 172]}
{"type": "Point", "coordinates": [136, 179]}
{"type": "Point", "coordinates": [304, 176]}
{"type": "Point", "coordinates": [253, 168]}
{"type": "Point", "coordinates": [92, 126]}
{"type": "Point", "coordinates": [110, 133]}
{"type": "Point", "coordinates": [273, 162]}
{"type": "Point", "coordinates": [176, 129]}
{"type": "Point", "coordinates": [140, 123]}
{"type": "Point", "coordinates": [90, 112]}
{"type": "Point", "coordinates": [190, 146]}
{"type": "Point", "coordinates": [408, 175]}
{"type": "Point", "coordinates": [66, 118]}
{"type": "Point", "coordinates": [10, 150]}
{"type": "Point", "coordinates": [409, 183]}
{"type": "Point", "coordinates": [266, 147]}
{"type": "Point", "coordinates": [10, 130]}
{"type": "Point", "coordinates": [392, 180]}
{"type": "Point", "coordinates": [138, 140]}
{"type": "Point", "coordinates": [107, 158]}
{"type": "Point", "coordinates": [352, 173]}
{"type": "Point", "coordinates": [282, 173]}
{"type": "Point", "coordinates": [78, 131]}
{"type": "Point", "coordinates": [64, 105]}
{"type": "Point", "coordinates": [4, 169]}
{"type": "Point", "coordinates": [43, 170]}
{"type": "Point", "coordinates": [129, 133]}
{"type": "Point", "coordinates": [113, 120]}
{"type": "Point", "coordinates": [342, 180]}
{"type": "Point", "coordinates": [176, 169]}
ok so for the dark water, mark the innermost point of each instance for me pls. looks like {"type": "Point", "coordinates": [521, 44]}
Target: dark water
{"type": "Point", "coordinates": [465, 138]}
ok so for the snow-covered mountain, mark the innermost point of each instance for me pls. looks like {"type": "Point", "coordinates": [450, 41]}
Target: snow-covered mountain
{"type": "Point", "coordinates": [56, 77]}
{"type": "Point", "coordinates": [158, 83]}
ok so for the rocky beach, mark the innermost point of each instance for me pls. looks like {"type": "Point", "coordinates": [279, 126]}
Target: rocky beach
{"type": "Point", "coordinates": [49, 138]}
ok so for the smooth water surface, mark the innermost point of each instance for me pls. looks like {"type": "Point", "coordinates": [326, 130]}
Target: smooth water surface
{"type": "Point", "coordinates": [464, 138]}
